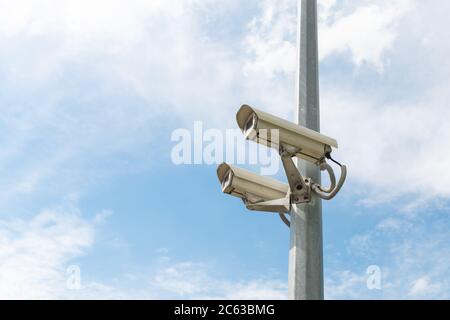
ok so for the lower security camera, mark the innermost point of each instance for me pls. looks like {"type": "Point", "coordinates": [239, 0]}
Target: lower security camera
{"type": "Point", "coordinates": [250, 187]}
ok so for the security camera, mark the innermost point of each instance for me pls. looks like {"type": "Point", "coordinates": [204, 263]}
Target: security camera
{"type": "Point", "coordinates": [250, 187]}
{"type": "Point", "coordinates": [297, 140]}
{"type": "Point", "coordinates": [268, 195]}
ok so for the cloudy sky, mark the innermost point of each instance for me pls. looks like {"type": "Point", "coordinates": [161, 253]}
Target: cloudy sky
{"type": "Point", "coordinates": [91, 92]}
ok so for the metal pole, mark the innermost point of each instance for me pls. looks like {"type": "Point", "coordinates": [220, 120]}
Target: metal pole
{"type": "Point", "coordinates": [306, 252]}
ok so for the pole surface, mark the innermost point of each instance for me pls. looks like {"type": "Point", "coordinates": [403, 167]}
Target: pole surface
{"type": "Point", "coordinates": [306, 252]}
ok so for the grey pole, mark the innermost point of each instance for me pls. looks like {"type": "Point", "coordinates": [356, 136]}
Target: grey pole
{"type": "Point", "coordinates": [306, 252]}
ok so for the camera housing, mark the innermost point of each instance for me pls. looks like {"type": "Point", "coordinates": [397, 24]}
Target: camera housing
{"type": "Point", "coordinates": [301, 142]}
{"type": "Point", "coordinates": [249, 186]}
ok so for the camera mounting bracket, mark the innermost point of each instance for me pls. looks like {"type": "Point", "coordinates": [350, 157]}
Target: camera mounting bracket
{"type": "Point", "coordinates": [273, 206]}
{"type": "Point", "coordinates": [300, 187]}
{"type": "Point", "coordinates": [300, 190]}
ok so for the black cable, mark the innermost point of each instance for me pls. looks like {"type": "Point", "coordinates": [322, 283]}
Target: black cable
{"type": "Point", "coordinates": [328, 156]}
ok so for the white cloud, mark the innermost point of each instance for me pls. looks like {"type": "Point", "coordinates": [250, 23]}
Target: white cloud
{"type": "Point", "coordinates": [393, 137]}
{"type": "Point", "coordinates": [367, 32]}
{"type": "Point", "coordinates": [183, 279]}
{"type": "Point", "coordinates": [423, 287]}
{"type": "Point", "coordinates": [102, 216]}
{"type": "Point", "coordinates": [127, 82]}
{"type": "Point", "coordinates": [376, 137]}
{"type": "Point", "coordinates": [35, 253]}
{"type": "Point", "coordinates": [100, 75]}
{"type": "Point", "coordinates": [101, 72]}
{"type": "Point", "coordinates": [188, 280]}
{"type": "Point", "coordinates": [171, 279]}
{"type": "Point", "coordinates": [82, 18]}
{"type": "Point", "coordinates": [390, 224]}
{"type": "Point", "coordinates": [345, 285]}
{"type": "Point", "coordinates": [395, 149]}
{"type": "Point", "coordinates": [364, 29]}
{"type": "Point", "coordinates": [270, 41]}
{"type": "Point", "coordinates": [412, 253]}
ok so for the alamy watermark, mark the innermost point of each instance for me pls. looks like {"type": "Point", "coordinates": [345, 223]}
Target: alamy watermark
{"type": "Point", "coordinates": [374, 276]}
{"type": "Point", "coordinates": [214, 146]}
{"type": "Point", "coordinates": [73, 281]}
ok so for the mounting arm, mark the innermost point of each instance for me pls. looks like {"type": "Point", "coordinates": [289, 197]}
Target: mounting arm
{"type": "Point", "coordinates": [330, 193]}
{"type": "Point", "coordinates": [300, 189]}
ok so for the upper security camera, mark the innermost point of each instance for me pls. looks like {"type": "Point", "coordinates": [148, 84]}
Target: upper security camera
{"type": "Point", "coordinates": [299, 141]}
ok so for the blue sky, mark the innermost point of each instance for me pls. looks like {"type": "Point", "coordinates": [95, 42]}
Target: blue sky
{"type": "Point", "coordinates": [91, 92]}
